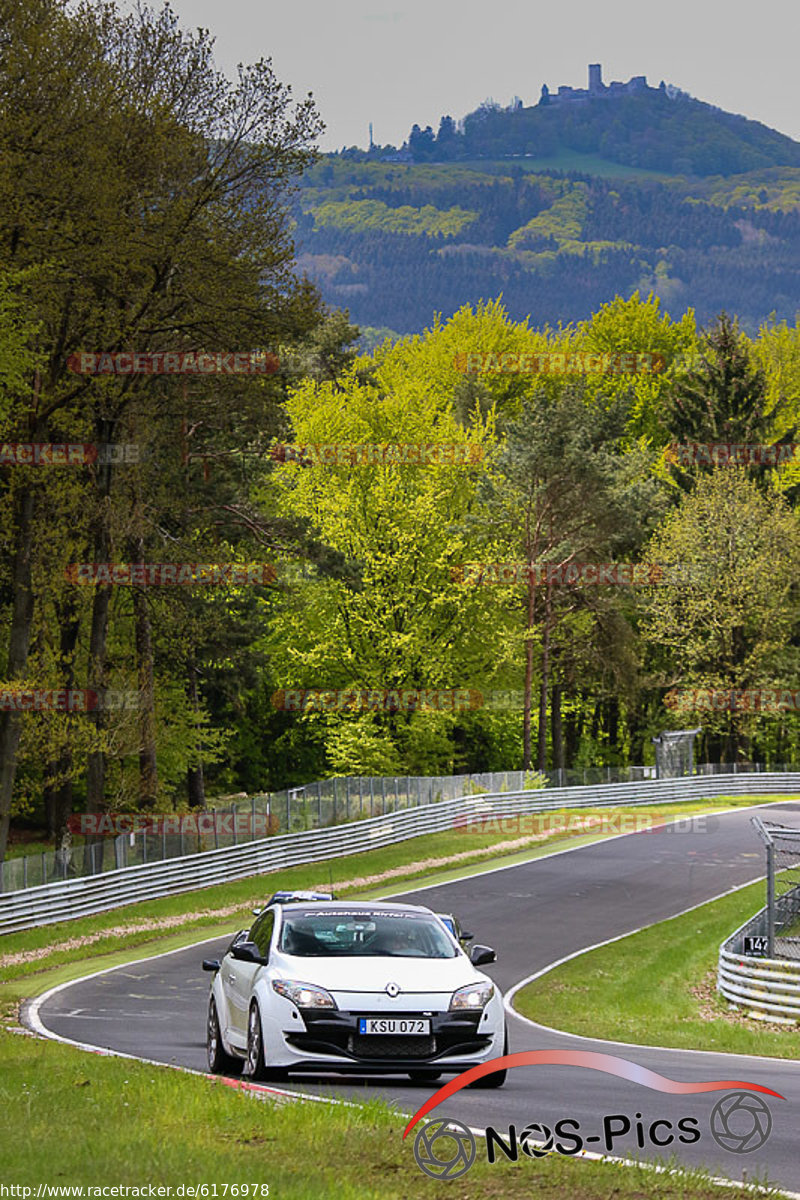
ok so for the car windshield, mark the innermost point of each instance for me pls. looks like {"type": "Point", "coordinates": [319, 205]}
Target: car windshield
{"type": "Point", "coordinates": [363, 933]}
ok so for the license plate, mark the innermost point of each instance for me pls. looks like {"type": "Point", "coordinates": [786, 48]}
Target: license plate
{"type": "Point", "coordinates": [394, 1025]}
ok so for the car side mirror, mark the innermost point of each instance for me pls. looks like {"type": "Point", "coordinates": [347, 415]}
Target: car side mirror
{"type": "Point", "coordinates": [247, 952]}
{"type": "Point", "coordinates": [466, 937]}
{"type": "Point", "coordinates": [480, 955]}
{"type": "Point", "coordinates": [211, 964]}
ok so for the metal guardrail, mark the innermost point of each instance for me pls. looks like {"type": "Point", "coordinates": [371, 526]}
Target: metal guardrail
{"type": "Point", "coordinates": [234, 820]}
{"type": "Point", "coordinates": [61, 901]}
{"type": "Point", "coordinates": [768, 987]}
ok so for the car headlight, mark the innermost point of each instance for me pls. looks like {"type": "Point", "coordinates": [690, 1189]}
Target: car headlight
{"type": "Point", "coordinates": [471, 997]}
{"type": "Point", "coordinates": [304, 995]}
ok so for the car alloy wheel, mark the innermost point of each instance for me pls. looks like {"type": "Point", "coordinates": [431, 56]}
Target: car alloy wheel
{"type": "Point", "coordinates": [254, 1063]}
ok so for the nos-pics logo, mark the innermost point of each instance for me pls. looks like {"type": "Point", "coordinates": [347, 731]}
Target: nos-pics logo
{"type": "Point", "coordinates": [740, 1122]}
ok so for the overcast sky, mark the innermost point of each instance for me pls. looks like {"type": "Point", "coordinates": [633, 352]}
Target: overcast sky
{"type": "Point", "coordinates": [394, 62]}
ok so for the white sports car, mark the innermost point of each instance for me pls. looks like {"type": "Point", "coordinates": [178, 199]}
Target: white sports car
{"type": "Point", "coordinates": [353, 987]}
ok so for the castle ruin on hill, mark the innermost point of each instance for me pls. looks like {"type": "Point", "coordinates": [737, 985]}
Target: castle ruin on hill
{"type": "Point", "coordinates": [597, 89]}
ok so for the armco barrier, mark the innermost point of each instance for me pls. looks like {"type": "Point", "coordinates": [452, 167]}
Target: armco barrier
{"type": "Point", "coordinates": [97, 893]}
{"type": "Point", "coordinates": [768, 987]}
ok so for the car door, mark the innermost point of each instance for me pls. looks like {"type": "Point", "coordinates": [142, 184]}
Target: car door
{"type": "Point", "coordinates": [241, 976]}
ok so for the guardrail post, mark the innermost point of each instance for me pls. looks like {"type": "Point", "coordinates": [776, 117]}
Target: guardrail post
{"type": "Point", "coordinates": [771, 900]}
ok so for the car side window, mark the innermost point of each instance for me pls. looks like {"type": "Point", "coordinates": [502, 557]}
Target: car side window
{"type": "Point", "coordinates": [261, 933]}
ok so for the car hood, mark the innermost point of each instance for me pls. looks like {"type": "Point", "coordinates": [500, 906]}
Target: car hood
{"type": "Point", "coordinates": [367, 974]}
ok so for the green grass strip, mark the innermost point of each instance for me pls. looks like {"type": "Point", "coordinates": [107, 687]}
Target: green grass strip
{"type": "Point", "coordinates": [657, 987]}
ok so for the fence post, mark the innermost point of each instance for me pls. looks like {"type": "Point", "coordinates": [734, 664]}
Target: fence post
{"type": "Point", "coordinates": [319, 806]}
{"type": "Point", "coordinates": [771, 899]}
{"type": "Point", "coordinates": [252, 819]}
{"type": "Point", "coordinates": [216, 830]}
{"type": "Point", "coordinates": [372, 799]}
{"type": "Point", "coordinates": [234, 814]}
{"type": "Point", "coordinates": [288, 811]}
{"type": "Point", "coordinates": [144, 846]}
{"type": "Point", "coordinates": [347, 798]}
{"type": "Point", "coordinates": [24, 871]}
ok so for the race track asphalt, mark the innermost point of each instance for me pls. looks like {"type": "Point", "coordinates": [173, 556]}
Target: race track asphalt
{"type": "Point", "coordinates": [533, 914]}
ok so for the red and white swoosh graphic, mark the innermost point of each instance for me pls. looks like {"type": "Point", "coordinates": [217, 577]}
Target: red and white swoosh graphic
{"type": "Point", "coordinates": [593, 1061]}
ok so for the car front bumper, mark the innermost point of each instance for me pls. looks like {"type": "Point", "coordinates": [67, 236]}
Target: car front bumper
{"type": "Point", "coordinates": [456, 1041]}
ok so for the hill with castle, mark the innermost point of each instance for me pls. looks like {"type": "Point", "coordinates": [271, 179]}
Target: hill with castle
{"type": "Point", "coordinates": [559, 206]}
{"type": "Point", "coordinates": [651, 128]}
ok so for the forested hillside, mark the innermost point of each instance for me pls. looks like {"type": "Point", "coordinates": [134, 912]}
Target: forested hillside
{"type": "Point", "coordinates": [396, 243]}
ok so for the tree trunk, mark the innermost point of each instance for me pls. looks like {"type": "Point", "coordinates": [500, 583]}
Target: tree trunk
{"type": "Point", "coordinates": [195, 780]}
{"type": "Point", "coordinates": [526, 714]}
{"type": "Point", "coordinates": [545, 685]}
{"type": "Point", "coordinates": [96, 769]}
{"type": "Point", "coordinates": [557, 730]}
{"type": "Point", "coordinates": [148, 769]}
{"type": "Point", "coordinates": [18, 646]}
{"type": "Point", "coordinates": [62, 798]}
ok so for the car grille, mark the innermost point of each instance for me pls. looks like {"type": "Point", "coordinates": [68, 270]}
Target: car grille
{"type": "Point", "coordinates": [393, 1047]}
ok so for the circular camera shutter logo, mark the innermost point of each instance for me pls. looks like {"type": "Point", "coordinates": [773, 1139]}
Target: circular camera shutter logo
{"type": "Point", "coordinates": [740, 1122]}
{"type": "Point", "coordinates": [533, 1134]}
{"type": "Point", "coordinates": [444, 1149]}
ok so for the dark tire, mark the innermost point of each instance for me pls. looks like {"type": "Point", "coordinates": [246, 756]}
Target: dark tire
{"type": "Point", "coordinates": [255, 1066]}
{"type": "Point", "coordinates": [497, 1078]}
{"type": "Point", "coordinates": [219, 1061]}
{"type": "Point", "coordinates": [424, 1076]}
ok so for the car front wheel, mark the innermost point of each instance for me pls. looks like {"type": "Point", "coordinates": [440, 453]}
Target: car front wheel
{"type": "Point", "coordinates": [254, 1063]}
{"type": "Point", "coordinates": [255, 1066]}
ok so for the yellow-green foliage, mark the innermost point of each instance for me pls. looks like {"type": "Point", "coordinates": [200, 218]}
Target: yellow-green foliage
{"type": "Point", "coordinates": [563, 221]}
{"type": "Point", "coordinates": [781, 185]}
{"type": "Point", "coordinates": [374, 214]}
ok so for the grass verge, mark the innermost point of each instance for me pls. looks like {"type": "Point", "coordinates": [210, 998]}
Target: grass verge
{"type": "Point", "coordinates": [74, 1120]}
{"type": "Point", "coordinates": [657, 988]}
